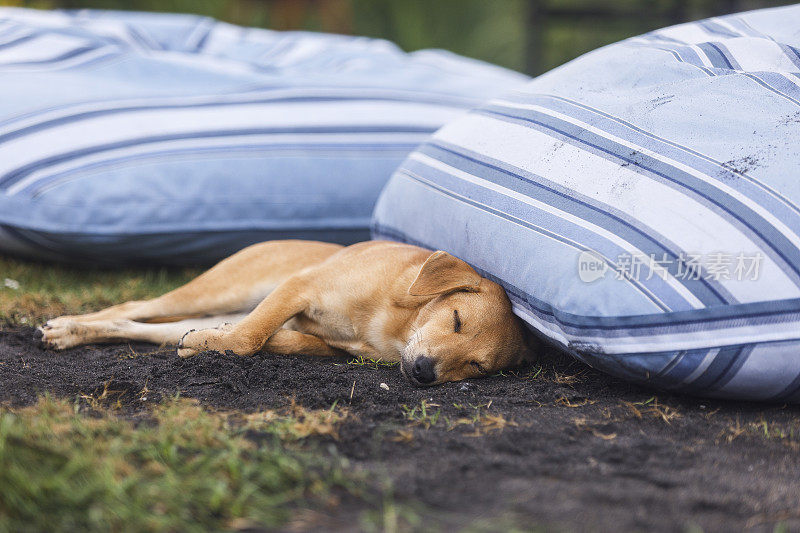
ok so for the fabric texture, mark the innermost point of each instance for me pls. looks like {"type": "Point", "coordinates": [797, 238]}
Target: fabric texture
{"type": "Point", "coordinates": [640, 204]}
{"type": "Point", "coordinates": [136, 136]}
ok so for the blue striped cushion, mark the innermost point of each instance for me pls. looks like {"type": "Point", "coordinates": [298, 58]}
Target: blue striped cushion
{"type": "Point", "coordinates": [174, 137]}
{"type": "Point", "coordinates": [641, 204]}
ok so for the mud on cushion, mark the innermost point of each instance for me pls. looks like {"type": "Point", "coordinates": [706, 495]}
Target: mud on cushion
{"type": "Point", "coordinates": [640, 204]}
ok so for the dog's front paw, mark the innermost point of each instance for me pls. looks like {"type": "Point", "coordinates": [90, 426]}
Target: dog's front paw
{"type": "Point", "coordinates": [196, 341]}
{"type": "Point", "coordinates": [60, 335]}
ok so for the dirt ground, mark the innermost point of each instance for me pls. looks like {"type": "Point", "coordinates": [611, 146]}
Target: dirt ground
{"type": "Point", "coordinates": [555, 445]}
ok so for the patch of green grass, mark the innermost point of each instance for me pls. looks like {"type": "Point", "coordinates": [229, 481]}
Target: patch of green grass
{"type": "Point", "coordinates": [183, 468]}
{"type": "Point", "coordinates": [786, 432]}
{"type": "Point", "coordinates": [299, 423]}
{"type": "Point", "coordinates": [369, 362]}
{"type": "Point", "coordinates": [474, 412]}
{"type": "Point", "coordinates": [477, 418]}
{"type": "Point", "coordinates": [652, 408]}
{"type": "Point", "coordinates": [31, 291]}
{"type": "Point", "coordinates": [422, 414]}
{"type": "Point", "coordinates": [540, 372]}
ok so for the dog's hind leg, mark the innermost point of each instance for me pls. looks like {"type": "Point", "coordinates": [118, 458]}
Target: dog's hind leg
{"type": "Point", "coordinates": [235, 285]}
{"type": "Point", "coordinates": [70, 333]}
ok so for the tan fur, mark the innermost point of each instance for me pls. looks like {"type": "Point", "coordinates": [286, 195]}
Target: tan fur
{"type": "Point", "coordinates": [377, 299]}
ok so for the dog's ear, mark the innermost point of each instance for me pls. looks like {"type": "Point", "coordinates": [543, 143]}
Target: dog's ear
{"type": "Point", "coordinates": [442, 273]}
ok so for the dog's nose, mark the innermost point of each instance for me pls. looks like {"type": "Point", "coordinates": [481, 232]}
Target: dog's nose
{"type": "Point", "coordinates": [423, 370]}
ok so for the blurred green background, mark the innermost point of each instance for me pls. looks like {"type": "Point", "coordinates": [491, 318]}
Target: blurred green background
{"type": "Point", "coordinates": [531, 36]}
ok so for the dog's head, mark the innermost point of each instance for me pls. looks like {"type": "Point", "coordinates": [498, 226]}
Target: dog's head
{"type": "Point", "coordinates": [467, 330]}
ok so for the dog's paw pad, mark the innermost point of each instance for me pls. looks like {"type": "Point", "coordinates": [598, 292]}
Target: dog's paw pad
{"type": "Point", "coordinates": [184, 353]}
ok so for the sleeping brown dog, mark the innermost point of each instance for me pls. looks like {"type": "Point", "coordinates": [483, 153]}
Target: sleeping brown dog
{"type": "Point", "coordinates": [384, 300]}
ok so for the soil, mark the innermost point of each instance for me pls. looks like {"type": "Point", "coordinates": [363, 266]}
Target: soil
{"type": "Point", "coordinates": [579, 451]}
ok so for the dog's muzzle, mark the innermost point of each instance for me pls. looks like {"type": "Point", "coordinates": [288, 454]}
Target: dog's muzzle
{"type": "Point", "coordinates": [420, 371]}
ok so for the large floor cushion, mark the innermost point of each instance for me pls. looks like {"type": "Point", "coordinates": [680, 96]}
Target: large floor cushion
{"type": "Point", "coordinates": [640, 204]}
{"type": "Point", "coordinates": [133, 136]}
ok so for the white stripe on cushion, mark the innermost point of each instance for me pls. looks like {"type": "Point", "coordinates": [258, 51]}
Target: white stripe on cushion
{"type": "Point", "coordinates": [536, 152]}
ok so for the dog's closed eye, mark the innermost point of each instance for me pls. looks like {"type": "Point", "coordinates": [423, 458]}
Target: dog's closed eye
{"type": "Point", "coordinates": [456, 321]}
{"type": "Point", "coordinates": [477, 366]}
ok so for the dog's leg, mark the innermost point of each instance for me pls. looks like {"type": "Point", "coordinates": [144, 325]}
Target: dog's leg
{"type": "Point", "coordinates": [235, 285]}
{"type": "Point", "coordinates": [250, 335]}
{"type": "Point", "coordinates": [283, 342]}
{"type": "Point", "coordinates": [289, 342]}
{"type": "Point", "coordinates": [69, 333]}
